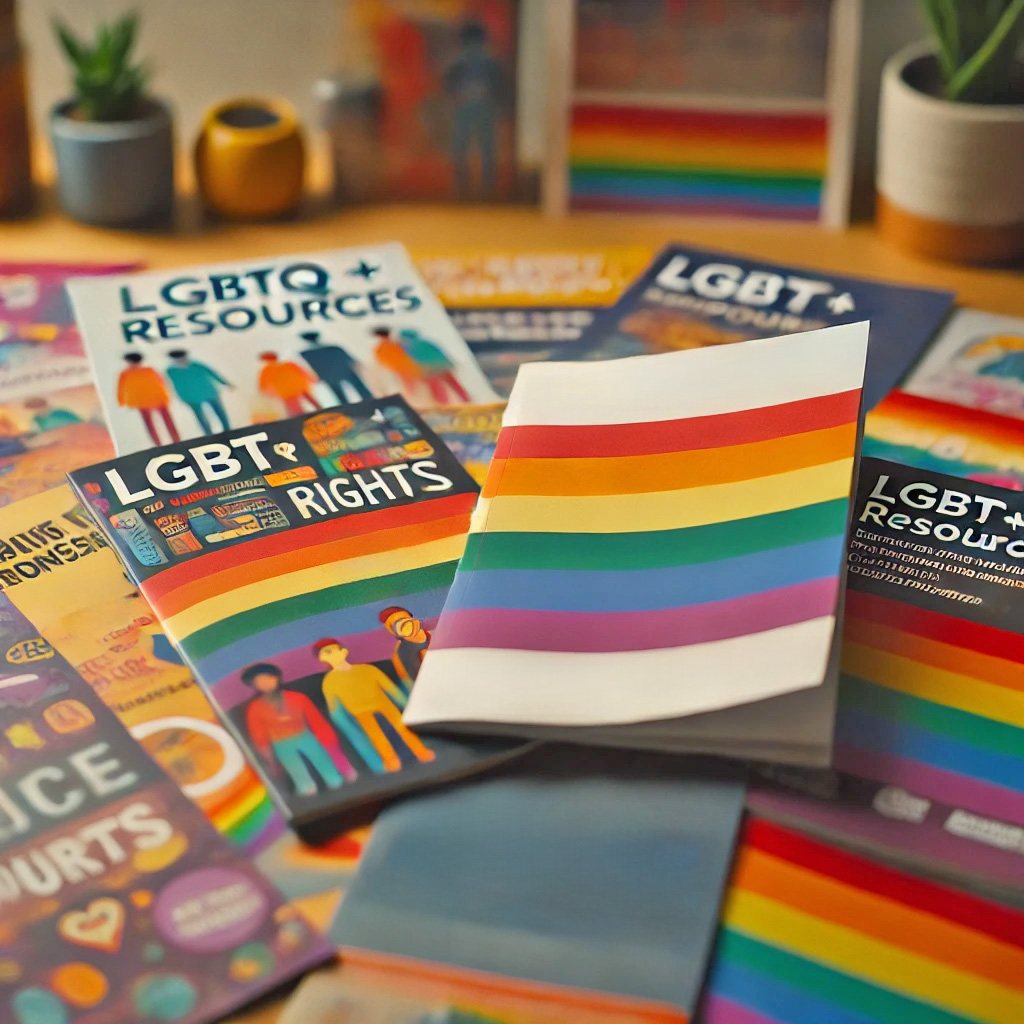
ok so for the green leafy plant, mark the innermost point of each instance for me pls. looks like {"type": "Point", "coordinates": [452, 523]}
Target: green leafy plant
{"type": "Point", "coordinates": [108, 85]}
{"type": "Point", "coordinates": [977, 47]}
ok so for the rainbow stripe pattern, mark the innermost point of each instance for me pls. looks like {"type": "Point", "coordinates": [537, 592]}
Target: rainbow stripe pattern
{"type": "Point", "coordinates": [638, 158]}
{"type": "Point", "coordinates": [324, 579]}
{"type": "Point", "coordinates": [677, 517]}
{"type": "Point", "coordinates": [933, 703]}
{"type": "Point", "coordinates": [947, 438]}
{"type": "Point", "coordinates": [814, 935]}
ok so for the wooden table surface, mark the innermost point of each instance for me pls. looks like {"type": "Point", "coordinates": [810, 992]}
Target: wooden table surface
{"type": "Point", "coordinates": [49, 236]}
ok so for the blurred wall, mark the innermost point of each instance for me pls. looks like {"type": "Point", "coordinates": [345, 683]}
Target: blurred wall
{"type": "Point", "coordinates": [200, 50]}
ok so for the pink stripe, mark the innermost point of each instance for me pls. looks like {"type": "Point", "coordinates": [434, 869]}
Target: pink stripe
{"type": "Point", "coordinates": [597, 632]}
{"type": "Point", "coordinates": [923, 780]}
{"type": "Point", "coordinates": [718, 1010]}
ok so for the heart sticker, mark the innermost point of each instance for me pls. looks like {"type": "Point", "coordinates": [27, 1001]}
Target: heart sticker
{"type": "Point", "coordinates": [99, 926]}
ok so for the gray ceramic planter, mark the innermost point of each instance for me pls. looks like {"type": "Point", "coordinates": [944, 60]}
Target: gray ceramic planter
{"type": "Point", "coordinates": [115, 173]}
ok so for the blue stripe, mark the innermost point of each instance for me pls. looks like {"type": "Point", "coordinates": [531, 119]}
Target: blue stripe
{"type": "Point", "coordinates": [784, 1003]}
{"type": "Point", "coordinates": [642, 187]}
{"type": "Point", "coordinates": [632, 590]}
{"type": "Point", "coordinates": [884, 736]}
{"type": "Point", "coordinates": [343, 621]}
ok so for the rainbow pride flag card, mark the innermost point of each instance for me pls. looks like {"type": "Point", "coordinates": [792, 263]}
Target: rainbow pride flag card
{"type": "Point", "coordinates": [932, 690]}
{"type": "Point", "coordinates": [299, 567]}
{"type": "Point", "coordinates": [656, 537]}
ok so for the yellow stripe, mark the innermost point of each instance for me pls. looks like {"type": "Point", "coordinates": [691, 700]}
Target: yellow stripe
{"type": "Point", "coordinates": [935, 684]}
{"type": "Point", "coordinates": [879, 962]}
{"type": "Point", "coordinates": [664, 510]}
{"type": "Point", "coordinates": [626, 151]}
{"type": "Point", "coordinates": [237, 812]}
{"type": "Point", "coordinates": [308, 581]}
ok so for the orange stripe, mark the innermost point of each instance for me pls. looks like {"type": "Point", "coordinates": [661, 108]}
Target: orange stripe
{"type": "Point", "coordinates": [641, 1011]}
{"type": "Point", "coordinates": [983, 667]}
{"type": "Point", "coordinates": [267, 569]}
{"type": "Point", "coordinates": [643, 474]}
{"type": "Point", "coordinates": [886, 920]}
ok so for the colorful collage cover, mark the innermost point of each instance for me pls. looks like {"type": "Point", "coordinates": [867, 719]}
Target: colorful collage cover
{"type": "Point", "coordinates": [694, 298]}
{"type": "Point", "coordinates": [523, 307]}
{"type": "Point", "coordinates": [947, 438]}
{"type": "Point", "coordinates": [300, 569]}
{"type": "Point", "coordinates": [596, 590]}
{"type": "Point", "coordinates": [932, 693]}
{"type": "Point", "coordinates": [814, 935]}
{"type": "Point", "coordinates": [581, 870]}
{"type": "Point", "coordinates": [50, 417]}
{"type": "Point", "coordinates": [977, 361]}
{"type": "Point", "coordinates": [118, 900]}
{"type": "Point", "coordinates": [58, 570]}
{"type": "Point", "coordinates": [185, 353]}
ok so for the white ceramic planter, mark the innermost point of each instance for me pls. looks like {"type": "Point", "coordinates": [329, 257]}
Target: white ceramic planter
{"type": "Point", "coordinates": [950, 176]}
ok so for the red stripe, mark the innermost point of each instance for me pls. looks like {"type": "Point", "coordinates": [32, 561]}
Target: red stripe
{"type": "Point", "coordinates": [597, 440]}
{"type": "Point", "coordinates": [974, 912]}
{"type": "Point", "coordinates": [973, 636]}
{"type": "Point", "coordinates": [999, 429]}
{"type": "Point", "coordinates": [810, 127]}
{"type": "Point", "coordinates": [307, 536]}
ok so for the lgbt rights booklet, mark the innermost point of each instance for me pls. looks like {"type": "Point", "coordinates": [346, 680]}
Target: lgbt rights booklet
{"type": "Point", "coordinates": [524, 307]}
{"type": "Point", "coordinates": [693, 298]}
{"type": "Point", "coordinates": [118, 900]}
{"type": "Point", "coordinates": [581, 870]}
{"type": "Point", "coordinates": [300, 568]}
{"type": "Point", "coordinates": [932, 690]}
{"type": "Point", "coordinates": [190, 352]}
{"type": "Point", "coordinates": [57, 568]}
{"type": "Point", "coordinates": [658, 555]}
{"type": "Point", "coordinates": [50, 415]}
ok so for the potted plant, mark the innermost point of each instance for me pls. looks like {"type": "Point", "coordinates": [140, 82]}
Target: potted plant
{"type": "Point", "coordinates": [950, 173]}
{"type": "Point", "coordinates": [113, 142]}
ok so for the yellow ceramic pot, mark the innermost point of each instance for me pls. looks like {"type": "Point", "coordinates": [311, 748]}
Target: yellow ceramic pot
{"type": "Point", "coordinates": [250, 159]}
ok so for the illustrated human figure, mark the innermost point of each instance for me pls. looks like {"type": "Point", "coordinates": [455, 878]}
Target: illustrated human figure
{"type": "Point", "coordinates": [334, 366]}
{"type": "Point", "coordinates": [287, 381]}
{"type": "Point", "coordinates": [46, 417]}
{"type": "Point", "coordinates": [413, 641]}
{"type": "Point", "coordinates": [358, 697]}
{"type": "Point", "coordinates": [393, 357]}
{"type": "Point", "coordinates": [141, 387]}
{"type": "Point", "coordinates": [287, 730]}
{"type": "Point", "coordinates": [473, 81]}
{"type": "Point", "coordinates": [198, 385]}
{"type": "Point", "coordinates": [438, 370]}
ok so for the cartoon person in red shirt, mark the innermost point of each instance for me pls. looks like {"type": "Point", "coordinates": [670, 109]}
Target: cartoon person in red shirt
{"type": "Point", "coordinates": [288, 731]}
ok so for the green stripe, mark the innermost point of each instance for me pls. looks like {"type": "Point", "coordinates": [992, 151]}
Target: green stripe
{"type": "Point", "coordinates": [253, 823]}
{"type": "Point", "coordinates": [857, 996]}
{"type": "Point", "coordinates": [767, 179]}
{"type": "Point", "coordinates": [656, 549]}
{"type": "Point", "coordinates": [212, 638]}
{"type": "Point", "coordinates": [986, 733]}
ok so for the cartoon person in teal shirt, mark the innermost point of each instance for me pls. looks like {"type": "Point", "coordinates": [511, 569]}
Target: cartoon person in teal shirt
{"type": "Point", "coordinates": [48, 417]}
{"type": "Point", "coordinates": [198, 385]}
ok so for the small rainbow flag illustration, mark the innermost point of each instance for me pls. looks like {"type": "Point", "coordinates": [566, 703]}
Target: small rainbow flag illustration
{"type": "Point", "coordinates": [651, 530]}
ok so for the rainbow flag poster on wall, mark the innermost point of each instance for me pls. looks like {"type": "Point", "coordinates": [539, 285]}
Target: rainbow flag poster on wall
{"type": "Point", "coordinates": [650, 531]}
{"type": "Point", "coordinates": [701, 161]}
{"type": "Point", "coordinates": [814, 935]}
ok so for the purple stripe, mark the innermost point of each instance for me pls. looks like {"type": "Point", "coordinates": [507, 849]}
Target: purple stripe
{"type": "Point", "coordinates": [718, 1010]}
{"type": "Point", "coordinates": [923, 780]}
{"type": "Point", "coordinates": [926, 841]}
{"type": "Point", "coordinates": [603, 632]}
